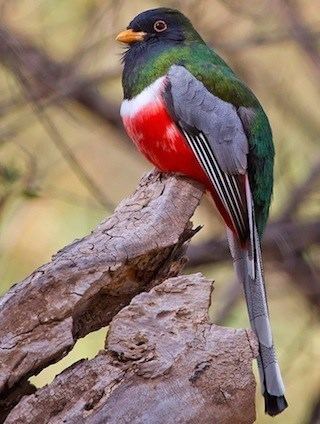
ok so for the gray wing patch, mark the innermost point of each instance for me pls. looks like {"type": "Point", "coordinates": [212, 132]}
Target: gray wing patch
{"type": "Point", "coordinates": [218, 120]}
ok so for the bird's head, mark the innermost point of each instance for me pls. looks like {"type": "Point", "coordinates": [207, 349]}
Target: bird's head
{"type": "Point", "coordinates": [158, 26]}
{"type": "Point", "coordinates": [155, 40]}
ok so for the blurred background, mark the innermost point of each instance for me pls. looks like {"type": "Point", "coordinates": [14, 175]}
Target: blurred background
{"type": "Point", "coordinates": [65, 161]}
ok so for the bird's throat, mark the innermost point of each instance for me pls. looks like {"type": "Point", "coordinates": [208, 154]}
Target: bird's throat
{"type": "Point", "coordinates": [145, 64]}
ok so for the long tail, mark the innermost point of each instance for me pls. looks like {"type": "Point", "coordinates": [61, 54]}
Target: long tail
{"type": "Point", "coordinates": [249, 269]}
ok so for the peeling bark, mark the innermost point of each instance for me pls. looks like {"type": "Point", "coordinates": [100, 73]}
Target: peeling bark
{"type": "Point", "coordinates": [164, 363]}
{"type": "Point", "coordinates": [89, 281]}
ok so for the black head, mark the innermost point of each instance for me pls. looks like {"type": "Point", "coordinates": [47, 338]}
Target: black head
{"type": "Point", "coordinates": [158, 25]}
{"type": "Point", "coordinates": [148, 36]}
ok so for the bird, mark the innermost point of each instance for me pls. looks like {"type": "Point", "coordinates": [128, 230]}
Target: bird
{"type": "Point", "coordinates": [189, 113]}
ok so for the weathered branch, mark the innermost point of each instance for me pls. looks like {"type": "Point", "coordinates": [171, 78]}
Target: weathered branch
{"type": "Point", "coordinates": [164, 363]}
{"type": "Point", "coordinates": [89, 281]}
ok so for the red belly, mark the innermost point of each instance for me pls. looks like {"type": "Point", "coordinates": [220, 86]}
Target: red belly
{"type": "Point", "coordinates": [158, 138]}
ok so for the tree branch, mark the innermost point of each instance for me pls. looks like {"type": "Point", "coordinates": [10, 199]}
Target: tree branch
{"type": "Point", "coordinates": [289, 10]}
{"type": "Point", "coordinates": [284, 244]}
{"type": "Point", "coordinates": [51, 78]}
{"type": "Point", "coordinates": [280, 239]}
{"type": "Point", "coordinates": [164, 362]}
{"type": "Point", "coordinates": [89, 281]}
{"type": "Point", "coordinates": [301, 192]}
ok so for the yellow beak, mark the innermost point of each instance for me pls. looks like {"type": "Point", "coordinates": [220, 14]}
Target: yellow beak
{"type": "Point", "coordinates": [129, 36]}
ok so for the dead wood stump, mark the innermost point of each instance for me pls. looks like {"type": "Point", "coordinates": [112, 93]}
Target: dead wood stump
{"type": "Point", "coordinates": [164, 363]}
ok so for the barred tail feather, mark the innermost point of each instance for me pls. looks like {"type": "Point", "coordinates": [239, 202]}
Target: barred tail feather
{"type": "Point", "coordinates": [270, 376]}
{"type": "Point", "coordinates": [248, 266]}
{"type": "Point", "coordinates": [233, 199]}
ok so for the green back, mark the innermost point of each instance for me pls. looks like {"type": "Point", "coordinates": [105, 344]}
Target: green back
{"type": "Point", "coordinates": [220, 80]}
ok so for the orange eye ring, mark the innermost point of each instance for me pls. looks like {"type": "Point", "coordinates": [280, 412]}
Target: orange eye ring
{"type": "Point", "coordinates": [160, 26]}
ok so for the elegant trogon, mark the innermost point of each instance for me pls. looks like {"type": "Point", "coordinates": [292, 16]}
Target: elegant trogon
{"type": "Point", "coordinates": [188, 113]}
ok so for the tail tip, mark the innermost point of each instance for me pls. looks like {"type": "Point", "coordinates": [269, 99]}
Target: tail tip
{"type": "Point", "coordinates": [274, 405]}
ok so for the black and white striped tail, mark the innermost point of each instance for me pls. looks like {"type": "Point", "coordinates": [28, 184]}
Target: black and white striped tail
{"type": "Point", "coordinates": [248, 266]}
{"type": "Point", "coordinates": [247, 261]}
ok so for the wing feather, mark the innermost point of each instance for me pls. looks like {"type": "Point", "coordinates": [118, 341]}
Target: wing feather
{"type": "Point", "coordinates": [225, 185]}
{"type": "Point", "coordinates": [214, 132]}
{"type": "Point", "coordinates": [193, 105]}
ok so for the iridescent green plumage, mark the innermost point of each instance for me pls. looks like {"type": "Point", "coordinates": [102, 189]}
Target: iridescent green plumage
{"type": "Point", "coordinates": [228, 134]}
{"type": "Point", "coordinates": [205, 64]}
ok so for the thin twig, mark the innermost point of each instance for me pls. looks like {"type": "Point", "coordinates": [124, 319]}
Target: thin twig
{"type": "Point", "coordinates": [46, 75]}
{"type": "Point", "coordinates": [300, 193]}
{"type": "Point", "coordinates": [300, 32]}
{"type": "Point", "coordinates": [60, 143]}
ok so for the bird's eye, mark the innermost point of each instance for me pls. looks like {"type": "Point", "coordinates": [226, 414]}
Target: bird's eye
{"type": "Point", "coordinates": [160, 26]}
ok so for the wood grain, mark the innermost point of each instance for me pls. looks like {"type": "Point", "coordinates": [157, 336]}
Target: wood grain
{"type": "Point", "coordinates": [164, 363]}
{"type": "Point", "coordinates": [89, 281]}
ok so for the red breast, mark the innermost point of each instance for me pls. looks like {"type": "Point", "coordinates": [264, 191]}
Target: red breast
{"type": "Point", "coordinates": [151, 128]}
